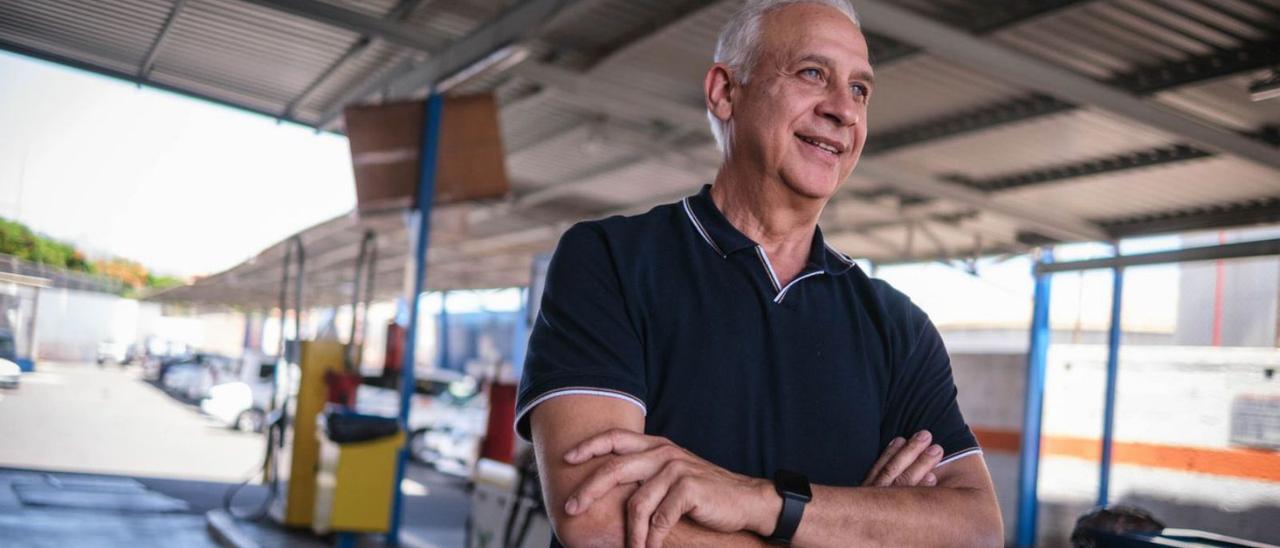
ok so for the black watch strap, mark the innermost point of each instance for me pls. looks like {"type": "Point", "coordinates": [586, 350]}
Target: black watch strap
{"type": "Point", "coordinates": [795, 493]}
{"type": "Point", "coordinates": [788, 520]}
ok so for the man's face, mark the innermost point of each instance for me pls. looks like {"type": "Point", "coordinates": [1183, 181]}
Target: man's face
{"type": "Point", "coordinates": [801, 118]}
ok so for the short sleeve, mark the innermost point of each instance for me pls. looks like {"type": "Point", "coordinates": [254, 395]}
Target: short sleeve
{"type": "Point", "coordinates": [583, 339]}
{"type": "Point", "coordinates": [922, 394]}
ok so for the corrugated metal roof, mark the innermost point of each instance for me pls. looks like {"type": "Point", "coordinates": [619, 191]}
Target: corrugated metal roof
{"type": "Point", "coordinates": [946, 120]}
{"type": "Point", "coordinates": [1161, 188]}
{"type": "Point", "coordinates": [1226, 101]}
{"type": "Point", "coordinates": [1103, 39]}
{"type": "Point", "coordinates": [1040, 142]}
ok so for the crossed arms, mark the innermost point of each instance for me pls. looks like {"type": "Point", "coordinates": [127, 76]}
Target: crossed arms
{"type": "Point", "coordinates": [607, 484]}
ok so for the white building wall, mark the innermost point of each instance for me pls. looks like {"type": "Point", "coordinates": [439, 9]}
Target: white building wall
{"type": "Point", "coordinates": [1167, 395]}
{"type": "Point", "coordinates": [70, 323]}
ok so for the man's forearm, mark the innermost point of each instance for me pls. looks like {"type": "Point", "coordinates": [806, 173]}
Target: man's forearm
{"type": "Point", "coordinates": [900, 516]}
{"type": "Point", "coordinates": [691, 535]}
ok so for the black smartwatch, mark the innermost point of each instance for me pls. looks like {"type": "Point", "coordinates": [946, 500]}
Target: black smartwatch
{"type": "Point", "coordinates": [795, 493]}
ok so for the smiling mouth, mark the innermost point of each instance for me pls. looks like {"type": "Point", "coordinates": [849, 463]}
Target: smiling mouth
{"type": "Point", "coordinates": [829, 149]}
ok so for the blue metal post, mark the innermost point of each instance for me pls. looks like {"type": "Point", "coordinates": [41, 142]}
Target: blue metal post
{"type": "Point", "coordinates": [421, 229]}
{"type": "Point", "coordinates": [1037, 356]}
{"type": "Point", "coordinates": [444, 330]}
{"type": "Point", "coordinates": [520, 342]}
{"type": "Point", "coordinates": [1113, 368]}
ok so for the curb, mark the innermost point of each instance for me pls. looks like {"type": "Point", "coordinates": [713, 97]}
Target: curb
{"type": "Point", "coordinates": [222, 527]}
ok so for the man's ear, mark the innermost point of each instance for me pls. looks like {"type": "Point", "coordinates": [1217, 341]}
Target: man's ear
{"type": "Point", "coordinates": [717, 86]}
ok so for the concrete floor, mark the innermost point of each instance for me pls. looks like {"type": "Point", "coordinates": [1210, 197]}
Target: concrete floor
{"type": "Point", "coordinates": [80, 433]}
{"type": "Point", "coordinates": [79, 417]}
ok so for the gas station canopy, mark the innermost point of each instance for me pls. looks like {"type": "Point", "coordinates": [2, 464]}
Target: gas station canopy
{"type": "Point", "coordinates": [994, 127]}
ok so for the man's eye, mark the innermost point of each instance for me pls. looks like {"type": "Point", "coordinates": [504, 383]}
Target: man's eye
{"type": "Point", "coordinates": [860, 90]}
{"type": "Point", "coordinates": [811, 73]}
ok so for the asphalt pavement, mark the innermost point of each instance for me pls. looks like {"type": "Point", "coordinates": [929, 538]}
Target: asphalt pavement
{"type": "Point", "coordinates": [98, 456]}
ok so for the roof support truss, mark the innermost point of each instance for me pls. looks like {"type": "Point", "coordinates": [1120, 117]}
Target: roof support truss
{"type": "Point", "coordinates": [1014, 67]}
{"type": "Point", "coordinates": [144, 69]}
{"type": "Point", "coordinates": [400, 11]}
{"type": "Point", "coordinates": [408, 77]}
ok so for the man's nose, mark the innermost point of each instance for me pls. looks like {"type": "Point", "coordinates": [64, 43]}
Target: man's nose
{"type": "Point", "coordinates": [839, 106]}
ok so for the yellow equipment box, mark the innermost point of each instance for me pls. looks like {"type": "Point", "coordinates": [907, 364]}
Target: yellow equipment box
{"type": "Point", "coordinates": [354, 484]}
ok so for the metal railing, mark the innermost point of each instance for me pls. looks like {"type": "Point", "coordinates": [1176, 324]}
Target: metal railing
{"type": "Point", "coordinates": [60, 277]}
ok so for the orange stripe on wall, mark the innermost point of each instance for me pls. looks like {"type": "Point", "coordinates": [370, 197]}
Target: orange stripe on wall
{"type": "Point", "coordinates": [1240, 463]}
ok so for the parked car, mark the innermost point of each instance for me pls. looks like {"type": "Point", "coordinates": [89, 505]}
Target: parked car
{"type": "Point", "coordinates": [242, 404]}
{"type": "Point", "coordinates": [10, 374]}
{"type": "Point", "coordinates": [192, 378]}
{"type": "Point", "coordinates": [115, 352]}
{"type": "Point", "coordinates": [239, 405]}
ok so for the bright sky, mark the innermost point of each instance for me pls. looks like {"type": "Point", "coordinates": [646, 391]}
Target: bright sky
{"type": "Point", "coordinates": [182, 186]}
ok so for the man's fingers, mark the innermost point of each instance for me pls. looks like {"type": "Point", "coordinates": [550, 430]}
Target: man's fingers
{"type": "Point", "coordinates": [618, 441]}
{"type": "Point", "coordinates": [645, 500]}
{"type": "Point", "coordinates": [622, 469]}
{"type": "Point", "coordinates": [914, 474]}
{"type": "Point", "coordinates": [903, 459]}
{"type": "Point", "coordinates": [894, 445]}
{"type": "Point", "coordinates": [677, 503]}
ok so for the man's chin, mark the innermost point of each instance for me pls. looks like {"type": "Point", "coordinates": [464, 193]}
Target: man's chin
{"type": "Point", "coordinates": [812, 187]}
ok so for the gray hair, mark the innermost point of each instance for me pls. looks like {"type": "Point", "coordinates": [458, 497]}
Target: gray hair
{"type": "Point", "coordinates": [738, 48]}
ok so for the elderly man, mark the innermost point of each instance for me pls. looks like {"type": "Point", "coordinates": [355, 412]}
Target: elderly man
{"type": "Point", "coordinates": [711, 373]}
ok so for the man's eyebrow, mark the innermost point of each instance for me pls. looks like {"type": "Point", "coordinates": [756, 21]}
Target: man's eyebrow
{"type": "Point", "coordinates": [819, 59]}
{"type": "Point", "coordinates": [865, 76]}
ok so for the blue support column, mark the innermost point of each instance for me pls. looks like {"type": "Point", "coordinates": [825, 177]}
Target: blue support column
{"type": "Point", "coordinates": [1113, 369]}
{"type": "Point", "coordinates": [421, 232]}
{"type": "Point", "coordinates": [1037, 357]}
{"type": "Point", "coordinates": [520, 342]}
{"type": "Point", "coordinates": [444, 331]}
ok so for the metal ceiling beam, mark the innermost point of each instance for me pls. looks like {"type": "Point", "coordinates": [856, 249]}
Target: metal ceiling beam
{"type": "Point", "coordinates": [667, 18]}
{"type": "Point", "coordinates": [949, 43]}
{"type": "Point", "coordinates": [1031, 106]}
{"type": "Point", "coordinates": [1058, 225]}
{"type": "Point", "coordinates": [985, 19]}
{"type": "Point", "coordinates": [144, 69]}
{"type": "Point", "coordinates": [1247, 213]}
{"type": "Point", "coordinates": [401, 10]}
{"type": "Point", "coordinates": [1237, 250]}
{"type": "Point", "coordinates": [1143, 80]}
{"type": "Point", "coordinates": [133, 78]}
{"type": "Point", "coordinates": [354, 21]}
{"type": "Point", "coordinates": [511, 25]}
{"type": "Point", "coordinates": [609, 98]}
{"type": "Point", "coordinates": [1088, 168]}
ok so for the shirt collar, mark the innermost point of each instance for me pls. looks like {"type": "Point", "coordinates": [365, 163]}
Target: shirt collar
{"type": "Point", "coordinates": [725, 239]}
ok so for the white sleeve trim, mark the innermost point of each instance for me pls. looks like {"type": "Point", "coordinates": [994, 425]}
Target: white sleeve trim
{"type": "Point", "coordinates": [959, 455]}
{"type": "Point", "coordinates": [580, 391]}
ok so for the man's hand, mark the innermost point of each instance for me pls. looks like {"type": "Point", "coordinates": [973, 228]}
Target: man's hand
{"type": "Point", "coordinates": [906, 463]}
{"type": "Point", "coordinates": [674, 483]}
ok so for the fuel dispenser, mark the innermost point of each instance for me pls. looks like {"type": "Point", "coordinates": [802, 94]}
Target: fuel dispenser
{"type": "Point", "coordinates": [327, 468]}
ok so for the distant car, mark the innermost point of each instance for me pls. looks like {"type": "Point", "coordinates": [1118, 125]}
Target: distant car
{"type": "Point", "coordinates": [194, 377]}
{"type": "Point", "coordinates": [113, 352]}
{"type": "Point", "coordinates": [243, 404]}
{"type": "Point", "coordinates": [10, 374]}
{"type": "Point", "coordinates": [238, 405]}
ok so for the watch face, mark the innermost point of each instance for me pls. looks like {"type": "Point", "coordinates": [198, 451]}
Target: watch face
{"type": "Point", "coordinates": [793, 485]}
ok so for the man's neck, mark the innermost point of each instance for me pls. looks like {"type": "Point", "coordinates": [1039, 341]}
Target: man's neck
{"type": "Point", "coordinates": [771, 215]}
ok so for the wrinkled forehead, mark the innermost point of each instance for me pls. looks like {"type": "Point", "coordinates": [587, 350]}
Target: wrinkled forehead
{"type": "Point", "coordinates": [800, 30]}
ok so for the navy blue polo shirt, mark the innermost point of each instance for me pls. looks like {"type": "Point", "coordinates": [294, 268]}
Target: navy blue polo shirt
{"type": "Point", "coordinates": [679, 313]}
